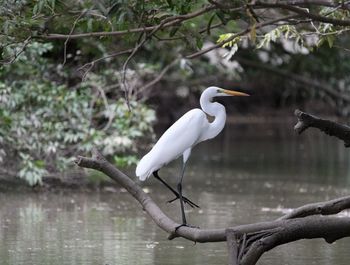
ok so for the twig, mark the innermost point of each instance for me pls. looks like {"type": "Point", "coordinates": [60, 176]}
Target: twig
{"type": "Point", "coordinates": [148, 35]}
{"type": "Point", "coordinates": [25, 44]}
{"type": "Point", "coordinates": [69, 35]}
{"type": "Point", "coordinates": [111, 115]}
{"type": "Point", "coordinates": [247, 30]}
{"type": "Point", "coordinates": [88, 66]}
{"type": "Point", "coordinates": [158, 78]}
{"type": "Point", "coordinates": [134, 50]}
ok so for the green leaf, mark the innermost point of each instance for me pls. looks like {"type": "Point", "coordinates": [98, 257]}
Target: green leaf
{"type": "Point", "coordinates": [35, 9]}
{"type": "Point", "coordinates": [225, 37]}
{"type": "Point", "coordinates": [330, 40]}
{"type": "Point", "coordinates": [199, 42]}
{"type": "Point", "coordinates": [39, 163]}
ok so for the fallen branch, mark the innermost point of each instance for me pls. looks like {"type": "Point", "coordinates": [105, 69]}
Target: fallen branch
{"type": "Point", "coordinates": [246, 243]}
{"type": "Point", "coordinates": [331, 128]}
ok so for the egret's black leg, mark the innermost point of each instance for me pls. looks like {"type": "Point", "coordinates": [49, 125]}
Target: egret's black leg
{"type": "Point", "coordinates": [189, 202]}
{"type": "Point", "coordinates": [179, 189]}
{"type": "Point", "coordinates": [155, 174]}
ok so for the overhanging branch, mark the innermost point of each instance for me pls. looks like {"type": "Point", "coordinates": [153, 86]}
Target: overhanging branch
{"type": "Point", "coordinates": [302, 12]}
{"type": "Point", "coordinates": [331, 128]}
{"type": "Point", "coordinates": [167, 22]}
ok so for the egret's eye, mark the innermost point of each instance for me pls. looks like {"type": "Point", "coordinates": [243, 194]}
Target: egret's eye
{"type": "Point", "coordinates": [218, 90]}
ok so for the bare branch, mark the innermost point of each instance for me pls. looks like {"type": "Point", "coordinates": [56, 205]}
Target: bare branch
{"type": "Point", "coordinates": [158, 78]}
{"type": "Point", "coordinates": [329, 228]}
{"type": "Point", "coordinates": [70, 34]}
{"type": "Point", "coordinates": [134, 50]}
{"type": "Point", "coordinates": [98, 162]}
{"type": "Point", "coordinates": [86, 68]}
{"type": "Point", "coordinates": [331, 128]}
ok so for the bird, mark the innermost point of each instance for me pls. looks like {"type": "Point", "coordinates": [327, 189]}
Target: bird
{"type": "Point", "coordinates": [179, 139]}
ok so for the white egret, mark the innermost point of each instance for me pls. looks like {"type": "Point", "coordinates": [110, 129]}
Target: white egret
{"type": "Point", "coordinates": [192, 128]}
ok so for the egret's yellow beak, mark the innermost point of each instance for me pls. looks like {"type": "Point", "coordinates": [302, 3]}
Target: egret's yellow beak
{"type": "Point", "coordinates": [234, 93]}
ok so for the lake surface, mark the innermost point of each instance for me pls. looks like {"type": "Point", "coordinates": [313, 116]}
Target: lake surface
{"type": "Point", "coordinates": [251, 173]}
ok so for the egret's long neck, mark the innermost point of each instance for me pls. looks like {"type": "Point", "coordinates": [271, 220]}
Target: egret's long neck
{"type": "Point", "coordinates": [216, 110]}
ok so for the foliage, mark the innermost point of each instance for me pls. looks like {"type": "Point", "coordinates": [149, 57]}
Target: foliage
{"type": "Point", "coordinates": [44, 122]}
{"type": "Point", "coordinates": [295, 51]}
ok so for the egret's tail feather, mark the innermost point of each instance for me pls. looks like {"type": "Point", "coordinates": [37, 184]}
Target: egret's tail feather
{"type": "Point", "coordinates": [142, 170]}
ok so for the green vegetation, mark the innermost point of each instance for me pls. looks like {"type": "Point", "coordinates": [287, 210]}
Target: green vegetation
{"type": "Point", "coordinates": [79, 74]}
{"type": "Point", "coordinates": [45, 122]}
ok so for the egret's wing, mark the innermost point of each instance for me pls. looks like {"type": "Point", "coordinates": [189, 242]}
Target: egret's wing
{"type": "Point", "coordinates": [183, 134]}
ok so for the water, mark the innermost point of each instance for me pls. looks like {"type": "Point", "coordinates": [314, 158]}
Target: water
{"type": "Point", "coordinates": [250, 173]}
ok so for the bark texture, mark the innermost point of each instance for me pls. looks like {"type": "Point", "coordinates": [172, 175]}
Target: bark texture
{"type": "Point", "coordinates": [331, 128]}
{"type": "Point", "coordinates": [246, 243]}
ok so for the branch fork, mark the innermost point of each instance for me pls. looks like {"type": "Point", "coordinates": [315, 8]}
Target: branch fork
{"type": "Point", "coordinates": [245, 243]}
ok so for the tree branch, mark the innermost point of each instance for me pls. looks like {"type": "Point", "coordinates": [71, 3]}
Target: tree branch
{"type": "Point", "coordinates": [331, 128]}
{"type": "Point", "coordinates": [246, 243]}
{"type": "Point", "coordinates": [323, 208]}
{"type": "Point", "coordinates": [70, 34]}
{"type": "Point", "coordinates": [232, 246]}
{"type": "Point", "coordinates": [327, 3]}
{"type": "Point", "coordinates": [167, 22]}
{"type": "Point", "coordinates": [243, 32]}
{"type": "Point", "coordinates": [328, 228]}
{"type": "Point", "coordinates": [99, 163]}
{"type": "Point", "coordinates": [85, 69]}
{"type": "Point", "coordinates": [302, 12]}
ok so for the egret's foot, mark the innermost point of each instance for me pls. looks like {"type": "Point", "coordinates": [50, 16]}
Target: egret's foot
{"type": "Point", "coordinates": [185, 225]}
{"type": "Point", "coordinates": [189, 202]}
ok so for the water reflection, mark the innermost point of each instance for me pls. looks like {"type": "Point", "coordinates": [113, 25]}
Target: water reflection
{"type": "Point", "coordinates": [250, 173]}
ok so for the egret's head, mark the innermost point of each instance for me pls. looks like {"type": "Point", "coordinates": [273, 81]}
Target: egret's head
{"type": "Point", "coordinates": [220, 92]}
